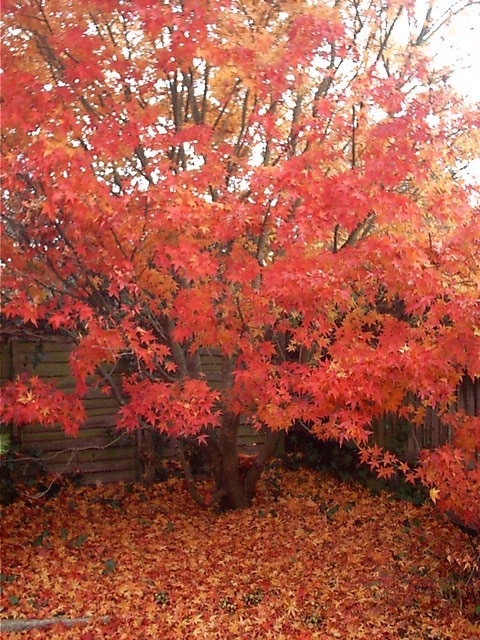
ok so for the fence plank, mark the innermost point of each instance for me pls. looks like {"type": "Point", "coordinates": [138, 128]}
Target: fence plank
{"type": "Point", "coordinates": [5, 362]}
{"type": "Point", "coordinates": [432, 433]}
{"type": "Point", "coordinates": [98, 452]}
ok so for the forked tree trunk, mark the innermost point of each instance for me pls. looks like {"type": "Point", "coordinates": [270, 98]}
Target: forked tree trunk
{"type": "Point", "coordinates": [239, 488]}
{"type": "Point", "coordinates": [235, 487]}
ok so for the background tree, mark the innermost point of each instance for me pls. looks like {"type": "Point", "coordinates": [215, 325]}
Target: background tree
{"type": "Point", "coordinates": [276, 182]}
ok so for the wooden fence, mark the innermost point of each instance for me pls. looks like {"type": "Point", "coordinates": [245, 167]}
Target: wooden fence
{"type": "Point", "coordinates": [400, 436]}
{"type": "Point", "coordinates": [101, 453]}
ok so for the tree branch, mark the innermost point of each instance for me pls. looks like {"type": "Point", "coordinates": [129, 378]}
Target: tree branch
{"type": "Point", "coordinates": [187, 472]}
{"type": "Point", "coordinates": [15, 626]}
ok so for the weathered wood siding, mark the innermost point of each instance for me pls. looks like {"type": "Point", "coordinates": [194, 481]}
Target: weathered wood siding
{"type": "Point", "coordinates": [468, 397]}
{"type": "Point", "coordinates": [99, 453]}
{"type": "Point", "coordinates": [5, 362]}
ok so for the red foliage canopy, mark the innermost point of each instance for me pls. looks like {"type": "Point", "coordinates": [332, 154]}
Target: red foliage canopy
{"type": "Point", "coordinates": [272, 181]}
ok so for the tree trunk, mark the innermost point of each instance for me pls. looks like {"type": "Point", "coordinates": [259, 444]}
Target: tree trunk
{"type": "Point", "coordinates": [233, 488]}
{"type": "Point", "coordinates": [266, 452]}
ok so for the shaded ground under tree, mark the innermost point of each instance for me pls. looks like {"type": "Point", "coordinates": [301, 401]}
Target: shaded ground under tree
{"type": "Point", "coordinates": [312, 558]}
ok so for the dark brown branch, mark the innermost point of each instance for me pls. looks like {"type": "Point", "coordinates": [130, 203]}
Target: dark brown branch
{"type": "Point", "coordinates": [262, 240]}
{"type": "Point", "coordinates": [429, 29]}
{"type": "Point", "coordinates": [205, 92]}
{"type": "Point", "coordinates": [360, 231]}
{"type": "Point", "coordinates": [354, 137]}
{"type": "Point", "coordinates": [243, 123]}
{"type": "Point", "coordinates": [110, 33]}
{"type": "Point", "coordinates": [44, 17]}
{"type": "Point", "coordinates": [190, 84]}
{"type": "Point", "coordinates": [51, 456]}
{"type": "Point", "coordinates": [335, 238]}
{"type": "Point", "coordinates": [225, 104]}
{"type": "Point", "coordinates": [176, 102]}
{"type": "Point", "coordinates": [388, 34]}
{"type": "Point", "coordinates": [176, 349]}
{"type": "Point", "coordinates": [187, 472]}
{"type": "Point", "coordinates": [293, 137]}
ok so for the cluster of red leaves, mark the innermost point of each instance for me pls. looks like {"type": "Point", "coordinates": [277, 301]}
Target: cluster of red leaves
{"type": "Point", "coordinates": [30, 399]}
{"type": "Point", "coordinates": [452, 474]}
{"type": "Point", "coordinates": [312, 558]}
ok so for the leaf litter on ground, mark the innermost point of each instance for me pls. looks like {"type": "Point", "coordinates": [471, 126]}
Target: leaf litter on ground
{"type": "Point", "coordinates": [317, 559]}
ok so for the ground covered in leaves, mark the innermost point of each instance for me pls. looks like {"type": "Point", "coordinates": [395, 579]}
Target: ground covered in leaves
{"type": "Point", "coordinates": [313, 558]}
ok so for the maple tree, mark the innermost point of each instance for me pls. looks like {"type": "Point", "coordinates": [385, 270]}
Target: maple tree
{"type": "Point", "coordinates": [274, 183]}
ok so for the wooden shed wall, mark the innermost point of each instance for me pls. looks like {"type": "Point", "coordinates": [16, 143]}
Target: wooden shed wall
{"type": "Point", "coordinates": [5, 363]}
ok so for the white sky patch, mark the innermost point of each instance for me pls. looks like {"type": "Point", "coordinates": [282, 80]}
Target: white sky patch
{"type": "Point", "coordinates": [458, 46]}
